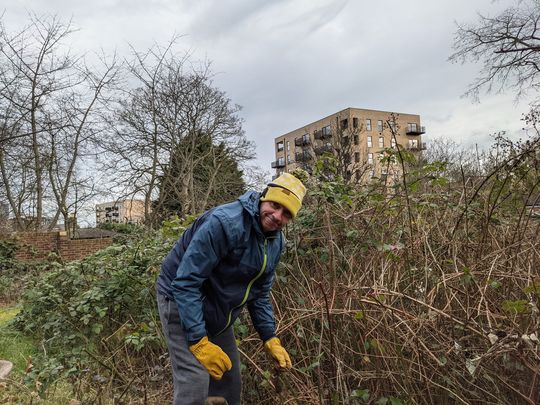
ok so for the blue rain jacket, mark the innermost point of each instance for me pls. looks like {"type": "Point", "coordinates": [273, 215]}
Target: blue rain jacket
{"type": "Point", "coordinates": [221, 263]}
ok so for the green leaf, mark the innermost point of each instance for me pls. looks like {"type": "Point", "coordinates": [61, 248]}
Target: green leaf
{"type": "Point", "coordinates": [376, 345]}
{"type": "Point", "coordinates": [97, 328]}
{"type": "Point", "coordinates": [532, 289]}
{"type": "Point", "coordinates": [517, 307]}
{"type": "Point", "coordinates": [441, 181]}
{"type": "Point", "coordinates": [467, 277]}
{"type": "Point", "coordinates": [362, 394]}
{"type": "Point", "coordinates": [359, 315]}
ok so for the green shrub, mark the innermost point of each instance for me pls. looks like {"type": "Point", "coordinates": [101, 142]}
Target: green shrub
{"type": "Point", "coordinates": [96, 316]}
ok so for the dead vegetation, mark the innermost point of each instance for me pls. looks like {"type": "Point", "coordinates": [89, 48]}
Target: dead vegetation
{"type": "Point", "coordinates": [430, 299]}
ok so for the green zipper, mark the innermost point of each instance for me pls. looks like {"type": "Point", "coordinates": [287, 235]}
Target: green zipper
{"type": "Point", "coordinates": [246, 295]}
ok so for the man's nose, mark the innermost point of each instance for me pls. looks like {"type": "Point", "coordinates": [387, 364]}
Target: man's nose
{"type": "Point", "coordinates": [278, 215]}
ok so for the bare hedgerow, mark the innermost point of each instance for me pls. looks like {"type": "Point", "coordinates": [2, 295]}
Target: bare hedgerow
{"type": "Point", "coordinates": [440, 309]}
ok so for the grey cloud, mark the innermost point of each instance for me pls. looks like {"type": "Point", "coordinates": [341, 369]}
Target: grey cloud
{"type": "Point", "coordinates": [289, 62]}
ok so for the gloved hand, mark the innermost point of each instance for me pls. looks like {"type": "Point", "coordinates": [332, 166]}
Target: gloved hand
{"type": "Point", "coordinates": [211, 357]}
{"type": "Point", "coordinates": [216, 401]}
{"type": "Point", "coordinates": [273, 346]}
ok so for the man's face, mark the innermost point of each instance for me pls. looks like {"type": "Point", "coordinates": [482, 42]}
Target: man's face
{"type": "Point", "coordinates": [274, 216]}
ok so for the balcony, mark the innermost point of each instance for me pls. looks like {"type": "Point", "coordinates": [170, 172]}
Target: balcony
{"type": "Point", "coordinates": [304, 156]}
{"type": "Point", "coordinates": [415, 129]}
{"type": "Point", "coordinates": [303, 141]}
{"type": "Point", "coordinates": [319, 150]}
{"type": "Point", "coordinates": [278, 163]}
{"type": "Point", "coordinates": [320, 134]}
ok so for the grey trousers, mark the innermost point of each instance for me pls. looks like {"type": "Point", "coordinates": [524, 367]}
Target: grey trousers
{"type": "Point", "coordinates": [192, 383]}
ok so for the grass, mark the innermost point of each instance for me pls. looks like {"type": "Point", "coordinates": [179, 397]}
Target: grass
{"type": "Point", "coordinates": [19, 349]}
{"type": "Point", "coordinates": [14, 346]}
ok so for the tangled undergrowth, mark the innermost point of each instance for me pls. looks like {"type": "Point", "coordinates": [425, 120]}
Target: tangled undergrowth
{"type": "Point", "coordinates": [424, 291]}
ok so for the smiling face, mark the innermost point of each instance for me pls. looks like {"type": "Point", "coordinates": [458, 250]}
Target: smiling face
{"type": "Point", "coordinates": [273, 216]}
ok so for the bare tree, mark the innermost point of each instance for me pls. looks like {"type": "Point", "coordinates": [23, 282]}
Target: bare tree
{"type": "Point", "coordinates": [507, 45]}
{"type": "Point", "coordinates": [171, 106]}
{"type": "Point", "coordinates": [49, 106]}
{"type": "Point", "coordinates": [458, 160]}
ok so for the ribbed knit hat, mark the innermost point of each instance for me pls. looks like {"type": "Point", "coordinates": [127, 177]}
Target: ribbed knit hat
{"type": "Point", "coordinates": [286, 190]}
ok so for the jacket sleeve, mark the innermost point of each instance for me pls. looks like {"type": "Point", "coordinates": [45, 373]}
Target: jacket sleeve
{"type": "Point", "coordinates": [260, 310]}
{"type": "Point", "coordinates": [207, 247]}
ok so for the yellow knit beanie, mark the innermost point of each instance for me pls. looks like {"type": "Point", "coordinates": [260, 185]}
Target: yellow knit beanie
{"type": "Point", "coordinates": [286, 190]}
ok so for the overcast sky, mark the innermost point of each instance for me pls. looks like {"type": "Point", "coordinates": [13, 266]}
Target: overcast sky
{"type": "Point", "coordinates": [290, 62]}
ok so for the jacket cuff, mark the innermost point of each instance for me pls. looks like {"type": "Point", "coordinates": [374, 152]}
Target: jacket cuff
{"type": "Point", "coordinates": [267, 336]}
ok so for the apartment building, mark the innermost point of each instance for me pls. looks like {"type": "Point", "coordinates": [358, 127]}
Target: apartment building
{"type": "Point", "coordinates": [120, 211]}
{"type": "Point", "coordinates": [356, 136]}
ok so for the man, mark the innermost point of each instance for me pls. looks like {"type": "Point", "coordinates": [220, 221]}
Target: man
{"type": "Point", "coordinates": [226, 260]}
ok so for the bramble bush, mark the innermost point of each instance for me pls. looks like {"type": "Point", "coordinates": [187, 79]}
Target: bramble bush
{"type": "Point", "coordinates": [96, 318]}
{"type": "Point", "coordinates": [16, 274]}
{"type": "Point", "coordinates": [422, 291]}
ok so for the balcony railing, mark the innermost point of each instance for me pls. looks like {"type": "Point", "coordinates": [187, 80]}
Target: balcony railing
{"type": "Point", "coordinates": [320, 134]}
{"type": "Point", "coordinates": [319, 150]}
{"type": "Point", "coordinates": [301, 141]}
{"type": "Point", "coordinates": [278, 163]}
{"type": "Point", "coordinates": [303, 156]}
{"type": "Point", "coordinates": [415, 130]}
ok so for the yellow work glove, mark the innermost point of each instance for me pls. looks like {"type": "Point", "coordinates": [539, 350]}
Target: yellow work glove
{"type": "Point", "coordinates": [211, 357]}
{"type": "Point", "coordinates": [273, 346]}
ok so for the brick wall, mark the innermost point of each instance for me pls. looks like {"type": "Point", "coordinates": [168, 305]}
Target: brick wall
{"type": "Point", "coordinates": [38, 245]}
{"type": "Point", "coordinates": [75, 249]}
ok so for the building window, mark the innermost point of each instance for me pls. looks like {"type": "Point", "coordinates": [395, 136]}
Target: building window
{"type": "Point", "coordinates": [379, 125]}
{"type": "Point", "coordinates": [356, 157]}
{"type": "Point", "coordinates": [381, 142]}
{"type": "Point", "coordinates": [355, 122]}
{"type": "Point", "coordinates": [281, 161]}
{"type": "Point", "coordinates": [411, 127]}
{"type": "Point", "coordinates": [384, 171]}
{"type": "Point", "coordinates": [371, 174]}
{"type": "Point", "coordinates": [326, 131]}
{"type": "Point", "coordinates": [393, 126]}
{"type": "Point", "coordinates": [393, 142]}
{"type": "Point", "coordinates": [355, 139]}
{"type": "Point", "coordinates": [344, 123]}
{"type": "Point", "coordinates": [280, 146]}
{"type": "Point", "coordinates": [369, 142]}
{"type": "Point", "coordinates": [368, 125]}
{"type": "Point", "coordinates": [413, 143]}
{"type": "Point", "coordinates": [370, 158]}
{"type": "Point", "coordinates": [288, 159]}
{"type": "Point", "coordinates": [288, 146]}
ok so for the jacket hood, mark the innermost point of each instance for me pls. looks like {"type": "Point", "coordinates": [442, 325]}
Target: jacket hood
{"type": "Point", "coordinates": [250, 202]}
